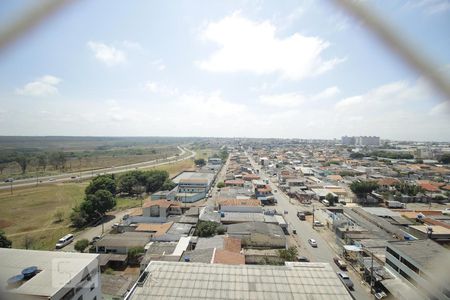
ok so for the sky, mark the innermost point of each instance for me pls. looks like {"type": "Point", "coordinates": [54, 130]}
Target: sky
{"type": "Point", "coordinates": [282, 69]}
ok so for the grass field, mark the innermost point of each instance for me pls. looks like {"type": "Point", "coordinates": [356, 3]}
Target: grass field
{"type": "Point", "coordinates": [29, 214]}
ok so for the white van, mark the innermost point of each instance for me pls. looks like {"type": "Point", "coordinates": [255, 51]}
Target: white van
{"type": "Point", "coordinates": [65, 240]}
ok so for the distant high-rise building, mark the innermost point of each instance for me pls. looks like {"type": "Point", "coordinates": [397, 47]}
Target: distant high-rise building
{"type": "Point", "coordinates": [361, 140]}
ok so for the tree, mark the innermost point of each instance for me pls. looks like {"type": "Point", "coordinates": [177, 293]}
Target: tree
{"type": "Point", "coordinates": [4, 242]}
{"type": "Point", "coordinates": [101, 201]}
{"type": "Point", "coordinates": [445, 159]}
{"type": "Point", "coordinates": [362, 188]}
{"type": "Point", "coordinates": [134, 254]}
{"type": "Point", "coordinates": [356, 155]}
{"type": "Point", "coordinates": [200, 162]}
{"type": "Point", "coordinates": [289, 254]}
{"type": "Point", "coordinates": [101, 182]}
{"type": "Point", "coordinates": [168, 185]}
{"type": "Point", "coordinates": [42, 161]}
{"type": "Point", "coordinates": [127, 183]}
{"type": "Point", "coordinates": [81, 245]}
{"type": "Point", "coordinates": [206, 229]}
{"type": "Point", "coordinates": [22, 161]}
{"type": "Point", "coordinates": [330, 198]}
{"type": "Point", "coordinates": [78, 217]}
{"type": "Point", "coordinates": [155, 180]}
{"type": "Point", "coordinates": [220, 184]}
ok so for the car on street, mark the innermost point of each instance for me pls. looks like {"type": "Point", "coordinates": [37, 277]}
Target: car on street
{"type": "Point", "coordinates": [95, 239]}
{"type": "Point", "coordinates": [9, 180]}
{"type": "Point", "coordinates": [340, 263]}
{"type": "Point", "coordinates": [345, 279]}
{"type": "Point", "coordinates": [302, 259]}
{"type": "Point", "coordinates": [51, 179]}
{"type": "Point", "coordinates": [318, 223]}
{"type": "Point", "coordinates": [65, 240]}
{"type": "Point", "coordinates": [275, 191]}
{"type": "Point", "coordinates": [301, 216]}
{"type": "Point", "coordinates": [312, 242]}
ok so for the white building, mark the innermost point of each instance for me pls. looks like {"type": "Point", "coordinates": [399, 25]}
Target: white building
{"type": "Point", "coordinates": [31, 274]}
{"type": "Point", "coordinates": [424, 264]}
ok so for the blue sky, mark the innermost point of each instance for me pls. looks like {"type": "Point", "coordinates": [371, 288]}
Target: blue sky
{"type": "Point", "coordinates": [231, 68]}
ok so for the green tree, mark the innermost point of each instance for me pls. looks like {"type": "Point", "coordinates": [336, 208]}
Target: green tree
{"type": "Point", "coordinates": [168, 185]}
{"type": "Point", "coordinates": [102, 182]}
{"type": "Point", "coordinates": [126, 183]}
{"type": "Point", "coordinates": [362, 188]}
{"type": "Point", "coordinates": [22, 161]}
{"type": "Point", "coordinates": [220, 184]}
{"type": "Point", "coordinates": [206, 229]}
{"type": "Point", "coordinates": [356, 155]}
{"type": "Point", "coordinates": [155, 180]}
{"type": "Point", "coordinates": [78, 217]}
{"type": "Point", "coordinates": [100, 202]}
{"type": "Point", "coordinates": [134, 254]}
{"type": "Point", "coordinates": [42, 161]}
{"type": "Point", "coordinates": [4, 242]}
{"type": "Point", "coordinates": [200, 162]}
{"type": "Point", "coordinates": [81, 245]}
{"type": "Point", "coordinates": [289, 254]}
{"type": "Point", "coordinates": [330, 198]}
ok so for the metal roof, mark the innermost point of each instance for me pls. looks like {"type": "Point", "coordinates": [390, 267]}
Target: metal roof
{"type": "Point", "coordinates": [216, 281]}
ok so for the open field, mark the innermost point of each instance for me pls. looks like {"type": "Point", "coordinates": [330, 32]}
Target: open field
{"type": "Point", "coordinates": [175, 168]}
{"type": "Point", "coordinates": [29, 214]}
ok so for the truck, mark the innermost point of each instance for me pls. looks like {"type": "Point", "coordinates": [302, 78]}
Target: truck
{"type": "Point", "coordinates": [395, 204]}
{"type": "Point", "coordinates": [326, 202]}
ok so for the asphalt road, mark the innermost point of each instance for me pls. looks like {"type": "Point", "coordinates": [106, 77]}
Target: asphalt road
{"type": "Point", "coordinates": [93, 173]}
{"type": "Point", "coordinates": [323, 252]}
{"type": "Point", "coordinates": [98, 230]}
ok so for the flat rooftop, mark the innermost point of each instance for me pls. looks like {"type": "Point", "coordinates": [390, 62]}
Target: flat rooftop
{"type": "Point", "coordinates": [177, 280]}
{"type": "Point", "coordinates": [426, 253]}
{"type": "Point", "coordinates": [56, 269]}
{"type": "Point", "coordinates": [194, 175]}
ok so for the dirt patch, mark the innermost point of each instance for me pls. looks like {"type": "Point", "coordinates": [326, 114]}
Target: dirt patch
{"type": "Point", "coordinates": [4, 224]}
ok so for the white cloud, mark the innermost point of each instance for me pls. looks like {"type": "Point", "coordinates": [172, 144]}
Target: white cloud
{"type": "Point", "coordinates": [290, 100]}
{"type": "Point", "coordinates": [159, 64]}
{"type": "Point", "coordinates": [430, 7]}
{"type": "Point", "coordinates": [41, 87]}
{"type": "Point", "coordinates": [283, 100]}
{"type": "Point", "coordinates": [107, 54]}
{"type": "Point", "coordinates": [132, 45]}
{"type": "Point", "coordinates": [327, 93]}
{"type": "Point", "coordinates": [161, 89]}
{"type": "Point", "coordinates": [254, 47]}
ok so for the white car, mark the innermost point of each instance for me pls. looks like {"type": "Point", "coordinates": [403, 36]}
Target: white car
{"type": "Point", "coordinates": [313, 243]}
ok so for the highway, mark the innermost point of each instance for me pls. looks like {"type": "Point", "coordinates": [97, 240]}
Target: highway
{"type": "Point", "coordinates": [92, 173]}
{"type": "Point", "coordinates": [323, 253]}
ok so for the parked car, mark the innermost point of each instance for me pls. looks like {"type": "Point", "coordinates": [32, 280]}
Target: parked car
{"type": "Point", "coordinates": [275, 191]}
{"type": "Point", "coordinates": [302, 259]}
{"type": "Point", "coordinates": [51, 179]}
{"type": "Point", "coordinates": [313, 243]}
{"type": "Point", "coordinates": [345, 279]}
{"type": "Point", "coordinates": [318, 223]}
{"type": "Point", "coordinates": [340, 263]}
{"type": "Point", "coordinates": [9, 180]}
{"type": "Point", "coordinates": [64, 241]}
{"type": "Point", "coordinates": [125, 217]}
{"type": "Point", "coordinates": [301, 216]}
{"type": "Point", "coordinates": [95, 239]}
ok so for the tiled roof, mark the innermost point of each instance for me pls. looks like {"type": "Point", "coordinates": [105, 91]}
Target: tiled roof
{"type": "Point", "coordinates": [228, 258]}
{"type": "Point", "coordinates": [161, 202]}
{"type": "Point", "coordinates": [159, 229]}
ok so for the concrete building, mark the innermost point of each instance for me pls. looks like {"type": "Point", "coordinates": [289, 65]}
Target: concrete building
{"type": "Point", "coordinates": [361, 140]}
{"type": "Point", "coordinates": [424, 264]}
{"type": "Point", "coordinates": [31, 274]}
{"type": "Point", "coordinates": [192, 186]}
{"type": "Point", "coordinates": [177, 280]}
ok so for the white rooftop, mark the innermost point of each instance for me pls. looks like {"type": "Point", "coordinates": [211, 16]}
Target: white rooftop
{"type": "Point", "coordinates": [56, 269]}
{"type": "Point", "coordinates": [179, 280]}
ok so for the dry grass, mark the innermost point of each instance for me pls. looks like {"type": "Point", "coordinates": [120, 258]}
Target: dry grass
{"type": "Point", "coordinates": [175, 168]}
{"type": "Point", "coordinates": [30, 212]}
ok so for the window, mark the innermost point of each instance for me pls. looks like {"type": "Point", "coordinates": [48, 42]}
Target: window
{"type": "Point", "coordinates": [390, 263]}
{"type": "Point", "coordinates": [410, 265]}
{"type": "Point", "coordinates": [92, 287]}
{"type": "Point", "coordinates": [393, 253]}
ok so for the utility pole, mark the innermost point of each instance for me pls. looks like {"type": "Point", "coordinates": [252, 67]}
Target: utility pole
{"type": "Point", "coordinates": [313, 217]}
{"type": "Point", "coordinates": [11, 187]}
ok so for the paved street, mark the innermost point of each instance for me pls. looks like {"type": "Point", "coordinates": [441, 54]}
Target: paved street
{"type": "Point", "coordinates": [91, 232]}
{"type": "Point", "coordinates": [323, 253]}
{"type": "Point", "coordinates": [93, 173]}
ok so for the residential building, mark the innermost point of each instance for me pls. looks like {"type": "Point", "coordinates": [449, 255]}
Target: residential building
{"type": "Point", "coordinates": [31, 274]}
